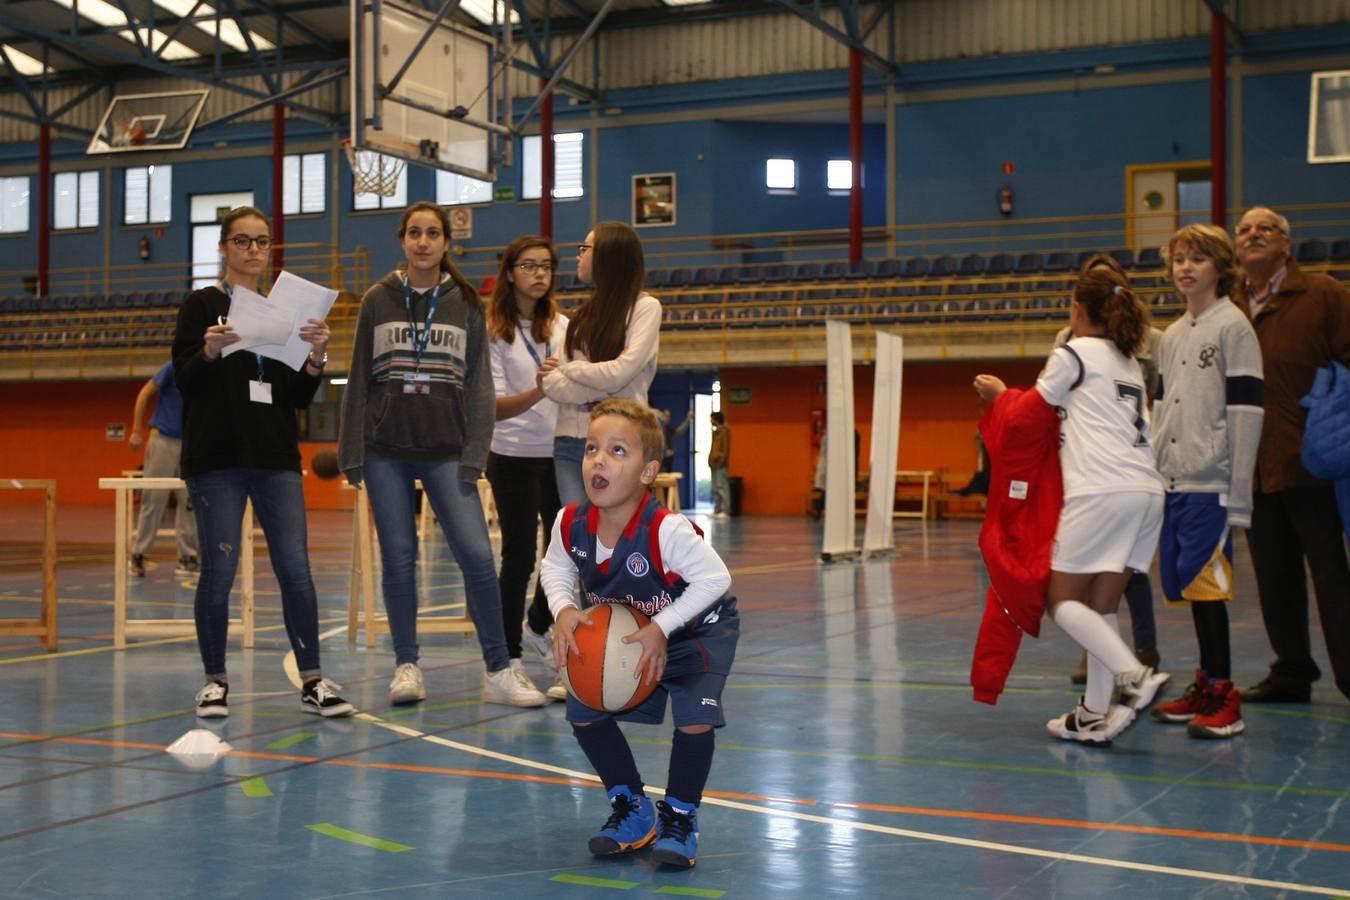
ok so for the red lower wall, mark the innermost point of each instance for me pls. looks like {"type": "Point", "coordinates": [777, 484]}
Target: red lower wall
{"type": "Point", "coordinates": [58, 430]}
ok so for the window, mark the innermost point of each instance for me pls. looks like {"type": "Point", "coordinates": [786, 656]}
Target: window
{"type": "Point", "coordinates": [302, 184]}
{"type": "Point", "coordinates": [839, 175]}
{"type": "Point", "coordinates": [367, 158]}
{"type": "Point", "coordinates": [567, 169]}
{"type": "Point", "coordinates": [13, 205]}
{"type": "Point", "coordinates": [76, 200]}
{"type": "Point", "coordinates": [781, 175]}
{"type": "Point", "coordinates": [453, 189]}
{"type": "Point", "coordinates": [147, 195]}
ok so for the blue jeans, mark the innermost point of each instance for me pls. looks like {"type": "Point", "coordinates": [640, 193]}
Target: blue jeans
{"type": "Point", "coordinates": [721, 490]}
{"type": "Point", "coordinates": [567, 453]}
{"type": "Point", "coordinates": [389, 484]}
{"type": "Point", "coordinates": [279, 503]}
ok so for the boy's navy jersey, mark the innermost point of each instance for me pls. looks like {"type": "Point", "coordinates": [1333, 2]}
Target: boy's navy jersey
{"type": "Point", "coordinates": [635, 574]}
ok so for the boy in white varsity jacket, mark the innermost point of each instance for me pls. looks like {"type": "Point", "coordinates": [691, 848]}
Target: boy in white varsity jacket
{"type": "Point", "coordinates": [622, 546]}
{"type": "Point", "coordinates": [1207, 418]}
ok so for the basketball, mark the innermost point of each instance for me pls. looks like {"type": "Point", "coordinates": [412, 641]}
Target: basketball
{"type": "Point", "coordinates": [325, 464]}
{"type": "Point", "coordinates": [602, 676]}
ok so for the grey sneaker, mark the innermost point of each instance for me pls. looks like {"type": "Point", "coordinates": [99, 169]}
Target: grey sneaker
{"type": "Point", "coordinates": [539, 643]}
{"type": "Point", "coordinates": [407, 686]}
{"type": "Point", "coordinates": [505, 688]}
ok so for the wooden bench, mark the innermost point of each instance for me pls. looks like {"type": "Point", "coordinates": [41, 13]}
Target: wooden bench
{"type": "Point", "coordinates": [44, 626]}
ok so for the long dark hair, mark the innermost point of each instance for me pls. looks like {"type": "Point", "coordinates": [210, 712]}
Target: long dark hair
{"type": "Point", "coordinates": [598, 328]}
{"type": "Point", "coordinates": [470, 294]}
{"type": "Point", "coordinates": [503, 315]}
{"type": "Point", "coordinates": [1110, 304]}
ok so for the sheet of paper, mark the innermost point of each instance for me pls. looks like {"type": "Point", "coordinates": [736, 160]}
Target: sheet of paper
{"type": "Point", "coordinates": [297, 299]}
{"type": "Point", "coordinates": [257, 321]}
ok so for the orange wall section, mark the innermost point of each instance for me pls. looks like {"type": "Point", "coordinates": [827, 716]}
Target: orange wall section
{"type": "Point", "coordinates": [57, 430]}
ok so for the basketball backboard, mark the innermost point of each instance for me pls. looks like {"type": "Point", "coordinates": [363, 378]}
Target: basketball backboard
{"type": "Point", "coordinates": [421, 89]}
{"type": "Point", "coordinates": [134, 122]}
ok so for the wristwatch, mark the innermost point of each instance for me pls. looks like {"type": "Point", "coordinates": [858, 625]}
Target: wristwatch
{"type": "Point", "coordinates": [323, 361]}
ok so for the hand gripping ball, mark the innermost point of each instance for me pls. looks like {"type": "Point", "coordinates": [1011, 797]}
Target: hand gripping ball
{"type": "Point", "coordinates": [602, 677]}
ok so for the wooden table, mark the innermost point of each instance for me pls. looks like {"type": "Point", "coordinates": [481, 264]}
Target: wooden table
{"type": "Point", "coordinates": [666, 487]}
{"type": "Point", "coordinates": [123, 627]}
{"type": "Point", "coordinates": [44, 626]}
{"type": "Point", "coordinates": [909, 477]}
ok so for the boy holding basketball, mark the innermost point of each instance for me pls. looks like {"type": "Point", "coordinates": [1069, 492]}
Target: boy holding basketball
{"type": "Point", "coordinates": [623, 547]}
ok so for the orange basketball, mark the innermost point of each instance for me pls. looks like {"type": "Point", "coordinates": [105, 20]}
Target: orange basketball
{"type": "Point", "coordinates": [602, 676]}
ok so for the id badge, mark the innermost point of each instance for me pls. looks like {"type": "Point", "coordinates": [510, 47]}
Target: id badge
{"type": "Point", "coordinates": [260, 391]}
{"type": "Point", "coordinates": [416, 383]}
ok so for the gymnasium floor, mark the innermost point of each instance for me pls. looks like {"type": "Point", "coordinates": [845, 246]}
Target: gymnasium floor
{"type": "Point", "coordinates": [855, 763]}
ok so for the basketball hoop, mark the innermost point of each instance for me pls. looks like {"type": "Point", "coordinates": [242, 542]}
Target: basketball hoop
{"type": "Point", "coordinates": [373, 172]}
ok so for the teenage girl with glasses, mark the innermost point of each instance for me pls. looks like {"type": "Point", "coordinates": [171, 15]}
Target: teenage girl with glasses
{"type": "Point", "coordinates": [240, 443]}
{"type": "Point", "coordinates": [419, 404]}
{"type": "Point", "coordinates": [527, 334]}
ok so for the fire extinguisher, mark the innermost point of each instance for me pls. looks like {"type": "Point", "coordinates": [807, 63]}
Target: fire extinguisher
{"type": "Point", "coordinates": [1005, 200]}
{"type": "Point", "coordinates": [143, 248]}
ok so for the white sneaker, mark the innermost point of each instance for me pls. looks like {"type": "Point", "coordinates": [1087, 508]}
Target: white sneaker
{"type": "Point", "coordinates": [1080, 725]}
{"type": "Point", "coordinates": [1118, 718]}
{"type": "Point", "coordinates": [539, 643]}
{"type": "Point", "coordinates": [505, 688]}
{"type": "Point", "coordinates": [557, 690]}
{"type": "Point", "coordinates": [407, 686]}
{"type": "Point", "coordinates": [1138, 688]}
{"type": "Point", "coordinates": [522, 676]}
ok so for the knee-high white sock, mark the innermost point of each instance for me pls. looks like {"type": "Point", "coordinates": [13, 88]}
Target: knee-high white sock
{"type": "Point", "coordinates": [1101, 683]}
{"type": "Point", "coordinates": [1094, 635]}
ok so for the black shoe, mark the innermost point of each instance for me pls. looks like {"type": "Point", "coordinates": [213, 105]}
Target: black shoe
{"type": "Point", "coordinates": [320, 697]}
{"type": "Point", "coordinates": [138, 565]}
{"type": "Point", "coordinates": [212, 700]}
{"type": "Point", "coordinates": [1269, 691]}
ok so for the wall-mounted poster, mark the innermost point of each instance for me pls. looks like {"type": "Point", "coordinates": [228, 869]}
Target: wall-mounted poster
{"type": "Point", "coordinates": [654, 199]}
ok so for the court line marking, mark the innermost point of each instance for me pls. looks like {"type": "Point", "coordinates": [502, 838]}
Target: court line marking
{"type": "Point", "coordinates": [717, 798]}
{"type": "Point", "coordinates": [356, 837]}
{"type": "Point", "coordinates": [592, 881]}
{"type": "Point", "coordinates": [889, 830]}
{"type": "Point", "coordinates": [255, 787]}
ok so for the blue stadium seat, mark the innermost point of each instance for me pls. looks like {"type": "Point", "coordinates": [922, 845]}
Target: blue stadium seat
{"type": "Point", "coordinates": [677, 278]}
{"type": "Point", "coordinates": [657, 278]}
{"type": "Point", "coordinates": [916, 267]}
{"type": "Point", "coordinates": [978, 310]}
{"type": "Point", "coordinates": [1029, 263]}
{"type": "Point", "coordinates": [1124, 256]}
{"type": "Point", "coordinates": [889, 268]}
{"type": "Point", "coordinates": [834, 270]}
{"type": "Point", "coordinates": [1001, 264]}
{"type": "Point", "coordinates": [960, 288]}
{"type": "Point", "coordinates": [806, 272]}
{"type": "Point", "coordinates": [1149, 258]}
{"type": "Point", "coordinates": [948, 309]}
{"type": "Point", "coordinates": [863, 268]}
{"type": "Point", "coordinates": [1006, 310]}
{"type": "Point", "coordinates": [726, 275]}
{"type": "Point", "coordinates": [1059, 261]}
{"type": "Point", "coordinates": [748, 274]}
{"type": "Point", "coordinates": [990, 287]}
{"type": "Point", "coordinates": [942, 266]}
{"type": "Point", "coordinates": [1039, 307]}
{"type": "Point", "coordinates": [974, 264]}
{"type": "Point", "coordinates": [1340, 250]}
{"type": "Point", "coordinates": [705, 275]}
{"type": "Point", "coordinates": [1312, 251]}
{"type": "Point", "coordinates": [777, 272]}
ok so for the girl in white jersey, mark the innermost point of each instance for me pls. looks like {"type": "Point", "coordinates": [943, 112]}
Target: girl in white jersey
{"type": "Point", "coordinates": [1112, 497]}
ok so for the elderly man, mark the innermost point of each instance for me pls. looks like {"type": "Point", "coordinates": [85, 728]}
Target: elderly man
{"type": "Point", "coordinates": [1303, 322]}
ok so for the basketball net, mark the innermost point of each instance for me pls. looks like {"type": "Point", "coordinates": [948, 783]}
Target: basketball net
{"type": "Point", "coordinates": [373, 172]}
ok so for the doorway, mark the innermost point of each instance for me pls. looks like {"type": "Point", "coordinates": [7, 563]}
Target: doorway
{"type": "Point", "coordinates": [1163, 197]}
{"type": "Point", "coordinates": [205, 212]}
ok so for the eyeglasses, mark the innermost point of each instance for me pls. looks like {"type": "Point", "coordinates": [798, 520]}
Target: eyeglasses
{"type": "Point", "coordinates": [531, 266]}
{"type": "Point", "coordinates": [583, 249]}
{"type": "Point", "coordinates": [243, 241]}
{"type": "Point", "coordinates": [1260, 228]}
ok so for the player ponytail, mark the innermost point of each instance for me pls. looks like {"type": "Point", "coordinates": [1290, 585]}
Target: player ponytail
{"type": "Point", "coordinates": [1110, 304]}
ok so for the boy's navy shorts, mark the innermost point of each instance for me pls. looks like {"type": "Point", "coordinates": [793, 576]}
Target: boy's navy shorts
{"type": "Point", "coordinates": [1195, 555]}
{"type": "Point", "coordinates": [698, 660]}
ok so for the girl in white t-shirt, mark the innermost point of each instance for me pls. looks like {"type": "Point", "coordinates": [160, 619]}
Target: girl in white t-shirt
{"type": "Point", "coordinates": [526, 333]}
{"type": "Point", "coordinates": [1112, 511]}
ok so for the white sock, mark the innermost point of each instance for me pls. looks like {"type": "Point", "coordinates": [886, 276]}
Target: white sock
{"type": "Point", "coordinates": [1101, 683]}
{"type": "Point", "coordinates": [1096, 636]}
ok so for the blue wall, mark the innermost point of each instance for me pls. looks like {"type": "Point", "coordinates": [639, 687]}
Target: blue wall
{"type": "Point", "coordinates": [1070, 148]}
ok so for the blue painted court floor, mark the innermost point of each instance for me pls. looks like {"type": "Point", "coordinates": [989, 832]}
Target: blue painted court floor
{"type": "Point", "coordinates": [854, 762]}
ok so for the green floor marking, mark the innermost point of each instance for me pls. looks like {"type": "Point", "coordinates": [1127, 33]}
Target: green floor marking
{"type": "Point", "coordinates": [588, 881]}
{"type": "Point", "coordinates": [288, 742]}
{"type": "Point", "coordinates": [353, 837]}
{"type": "Point", "coordinates": [255, 787]}
{"type": "Point", "coordinates": [690, 892]}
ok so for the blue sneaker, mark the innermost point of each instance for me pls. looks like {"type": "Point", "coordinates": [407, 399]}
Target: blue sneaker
{"type": "Point", "coordinates": [677, 839]}
{"type": "Point", "coordinates": [631, 826]}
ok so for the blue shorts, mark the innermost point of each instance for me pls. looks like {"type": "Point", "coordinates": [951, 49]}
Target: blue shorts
{"type": "Point", "coordinates": [1195, 555]}
{"type": "Point", "coordinates": [698, 660]}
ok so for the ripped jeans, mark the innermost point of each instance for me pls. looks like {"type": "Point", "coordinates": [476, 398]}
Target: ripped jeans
{"type": "Point", "coordinates": [279, 504]}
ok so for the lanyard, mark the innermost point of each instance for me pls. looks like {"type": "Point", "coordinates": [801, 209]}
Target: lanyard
{"type": "Point", "coordinates": [229, 295]}
{"type": "Point", "coordinates": [423, 337]}
{"type": "Point", "coordinates": [548, 349]}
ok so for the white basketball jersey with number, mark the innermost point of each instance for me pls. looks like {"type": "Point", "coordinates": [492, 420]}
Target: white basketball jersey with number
{"type": "Point", "coordinates": [1104, 424]}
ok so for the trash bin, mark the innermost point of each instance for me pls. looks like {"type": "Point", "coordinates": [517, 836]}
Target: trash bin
{"type": "Point", "coordinates": [737, 486]}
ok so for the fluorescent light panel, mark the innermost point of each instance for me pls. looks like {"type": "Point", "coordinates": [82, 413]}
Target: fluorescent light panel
{"type": "Point", "coordinates": [229, 35]}
{"type": "Point", "coordinates": [482, 11]}
{"type": "Point", "coordinates": [684, 2]}
{"type": "Point", "coordinates": [23, 63]}
{"type": "Point", "coordinates": [109, 16]}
